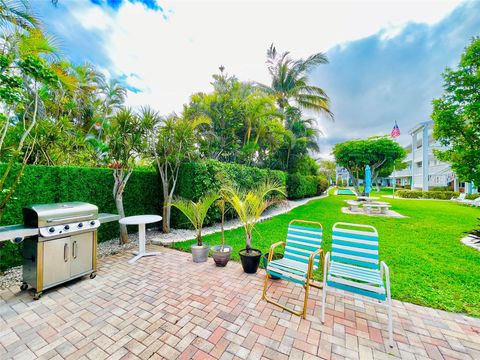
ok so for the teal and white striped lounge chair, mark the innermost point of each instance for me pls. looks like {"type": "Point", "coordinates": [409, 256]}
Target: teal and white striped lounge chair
{"type": "Point", "coordinates": [303, 255]}
{"type": "Point", "coordinates": [353, 267]}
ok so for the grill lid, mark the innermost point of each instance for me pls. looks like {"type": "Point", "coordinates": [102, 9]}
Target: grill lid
{"type": "Point", "coordinates": [41, 215]}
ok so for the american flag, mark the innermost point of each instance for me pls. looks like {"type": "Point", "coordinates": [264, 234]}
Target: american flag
{"type": "Point", "coordinates": [395, 131]}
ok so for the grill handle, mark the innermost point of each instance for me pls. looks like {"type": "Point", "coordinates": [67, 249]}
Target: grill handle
{"type": "Point", "coordinates": [65, 252]}
{"type": "Point", "coordinates": [70, 219]}
{"type": "Point", "coordinates": [74, 249]}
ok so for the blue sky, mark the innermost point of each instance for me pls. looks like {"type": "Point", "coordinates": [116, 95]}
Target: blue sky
{"type": "Point", "coordinates": [386, 58]}
{"type": "Point", "coordinates": [373, 81]}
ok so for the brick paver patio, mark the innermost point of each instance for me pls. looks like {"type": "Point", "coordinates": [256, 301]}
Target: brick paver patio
{"type": "Point", "coordinates": [168, 307]}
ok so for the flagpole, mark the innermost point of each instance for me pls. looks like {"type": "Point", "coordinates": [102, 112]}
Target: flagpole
{"type": "Point", "coordinates": [394, 136]}
{"type": "Point", "coordinates": [394, 180]}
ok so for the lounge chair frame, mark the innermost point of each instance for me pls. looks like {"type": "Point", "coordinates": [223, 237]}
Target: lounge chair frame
{"type": "Point", "coordinates": [384, 275]}
{"type": "Point", "coordinates": [308, 280]}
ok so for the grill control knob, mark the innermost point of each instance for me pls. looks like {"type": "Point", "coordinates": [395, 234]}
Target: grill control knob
{"type": "Point", "coordinates": [51, 230]}
{"type": "Point", "coordinates": [80, 225]}
{"type": "Point", "coordinates": [92, 223]}
{"type": "Point", "coordinates": [67, 227]}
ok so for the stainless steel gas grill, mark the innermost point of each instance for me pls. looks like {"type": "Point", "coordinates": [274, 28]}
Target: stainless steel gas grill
{"type": "Point", "coordinates": [59, 242]}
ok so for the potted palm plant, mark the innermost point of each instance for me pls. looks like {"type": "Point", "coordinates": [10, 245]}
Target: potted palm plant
{"type": "Point", "coordinates": [196, 212]}
{"type": "Point", "coordinates": [221, 253]}
{"type": "Point", "coordinates": [249, 205]}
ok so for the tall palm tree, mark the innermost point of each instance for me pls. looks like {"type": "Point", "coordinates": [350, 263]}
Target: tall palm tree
{"type": "Point", "coordinates": [290, 81]}
{"type": "Point", "coordinates": [16, 14]}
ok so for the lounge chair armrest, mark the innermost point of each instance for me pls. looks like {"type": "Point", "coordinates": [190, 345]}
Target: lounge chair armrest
{"type": "Point", "coordinates": [312, 258]}
{"type": "Point", "coordinates": [326, 267]}
{"type": "Point", "coordinates": [272, 247]}
{"type": "Point", "coordinates": [384, 270]}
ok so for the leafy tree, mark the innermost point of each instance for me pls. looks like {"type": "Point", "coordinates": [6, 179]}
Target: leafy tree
{"type": "Point", "coordinates": [328, 169]}
{"type": "Point", "coordinates": [456, 115]}
{"type": "Point", "coordinates": [127, 140]}
{"type": "Point", "coordinates": [378, 152]}
{"type": "Point", "coordinates": [174, 142]}
{"type": "Point", "coordinates": [26, 78]}
{"type": "Point", "coordinates": [300, 139]}
{"type": "Point", "coordinates": [290, 81]}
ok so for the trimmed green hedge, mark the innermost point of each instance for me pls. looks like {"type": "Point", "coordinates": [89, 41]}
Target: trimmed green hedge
{"type": "Point", "coordinates": [48, 184]}
{"type": "Point", "coordinates": [198, 178]}
{"type": "Point", "coordinates": [472, 196]}
{"type": "Point", "coordinates": [301, 186]}
{"type": "Point", "coordinates": [418, 194]}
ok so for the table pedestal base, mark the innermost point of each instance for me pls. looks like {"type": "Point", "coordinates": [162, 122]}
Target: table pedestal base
{"type": "Point", "coordinates": [139, 255]}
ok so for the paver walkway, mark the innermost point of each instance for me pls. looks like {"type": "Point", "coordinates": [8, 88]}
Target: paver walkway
{"type": "Point", "coordinates": [168, 307]}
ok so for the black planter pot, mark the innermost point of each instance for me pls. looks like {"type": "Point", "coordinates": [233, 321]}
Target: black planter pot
{"type": "Point", "coordinates": [250, 260]}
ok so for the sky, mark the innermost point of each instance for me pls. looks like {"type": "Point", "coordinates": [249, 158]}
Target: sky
{"type": "Point", "coordinates": [385, 57]}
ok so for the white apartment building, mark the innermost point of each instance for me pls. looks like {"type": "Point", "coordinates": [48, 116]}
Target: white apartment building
{"type": "Point", "coordinates": [424, 170]}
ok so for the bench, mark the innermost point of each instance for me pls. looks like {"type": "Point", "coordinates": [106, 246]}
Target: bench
{"type": "Point", "coordinates": [353, 205]}
{"type": "Point", "coordinates": [382, 207]}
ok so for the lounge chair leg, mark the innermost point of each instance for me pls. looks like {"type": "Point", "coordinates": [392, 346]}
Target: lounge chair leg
{"type": "Point", "coordinates": [324, 301]}
{"type": "Point", "coordinates": [265, 285]}
{"type": "Point", "coordinates": [305, 301]}
{"type": "Point", "coordinates": [390, 325]}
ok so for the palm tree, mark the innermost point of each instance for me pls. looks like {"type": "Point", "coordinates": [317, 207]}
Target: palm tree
{"type": "Point", "coordinates": [250, 205]}
{"type": "Point", "coordinates": [114, 95]}
{"type": "Point", "coordinates": [300, 137]}
{"type": "Point", "coordinates": [196, 212]}
{"type": "Point", "coordinates": [17, 14]}
{"type": "Point", "coordinates": [290, 81]}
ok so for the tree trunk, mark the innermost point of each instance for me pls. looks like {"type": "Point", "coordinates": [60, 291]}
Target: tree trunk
{"type": "Point", "coordinates": [121, 212]}
{"type": "Point", "coordinates": [199, 238]}
{"type": "Point", "coordinates": [222, 224]}
{"type": "Point", "coordinates": [166, 207]}
{"type": "Point", "coordinates": [248, 242]}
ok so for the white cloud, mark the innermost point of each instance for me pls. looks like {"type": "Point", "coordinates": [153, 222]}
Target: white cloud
{"type": "Point", "coordinates": [176, 57]}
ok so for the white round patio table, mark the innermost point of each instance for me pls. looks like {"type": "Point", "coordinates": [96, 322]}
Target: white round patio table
{"type": "Point", "coordinates": [141, 221]}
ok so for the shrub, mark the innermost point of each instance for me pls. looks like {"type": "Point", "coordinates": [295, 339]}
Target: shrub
{"type": "Point", "coordinates": [49, 184]}
{"type": "Point", "coordinates": [409, 194]}
{"type": "Point", "coordinates": [197, 178]}
{"type": "Point", "coordinates": [418, 194]}
{"type": "Point", "coordinates": [301, 186]}
{"type": "Point", "coordinates": [322, 184]}
{"type": "Point", "coordinates": [441, 188]}
{"type": "Point", "coordinates": [472, 196]}
{"type": "Point", "coordinates": [304, 165]}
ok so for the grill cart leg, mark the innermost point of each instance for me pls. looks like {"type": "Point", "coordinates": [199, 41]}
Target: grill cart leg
{"type": "Point", "coordinates": [37, 295]}
{"type": "Point", "coordinates": [24, 286]}
{"type": "Point", "coordinates": [93, 275]}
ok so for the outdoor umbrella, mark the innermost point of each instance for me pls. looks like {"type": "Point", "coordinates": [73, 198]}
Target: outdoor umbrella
{"type": "Point", "coordinates": [368, 180]}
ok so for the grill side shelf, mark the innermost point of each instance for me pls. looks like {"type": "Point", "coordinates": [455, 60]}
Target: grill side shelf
{"type": "Point", "coordinates": [11, 232]}
{"type": "Point", "coordinates": [106, 218]}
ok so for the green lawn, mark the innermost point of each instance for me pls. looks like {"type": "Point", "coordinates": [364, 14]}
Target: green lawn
{"type": "Point", "coordinates": [428, 264]}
